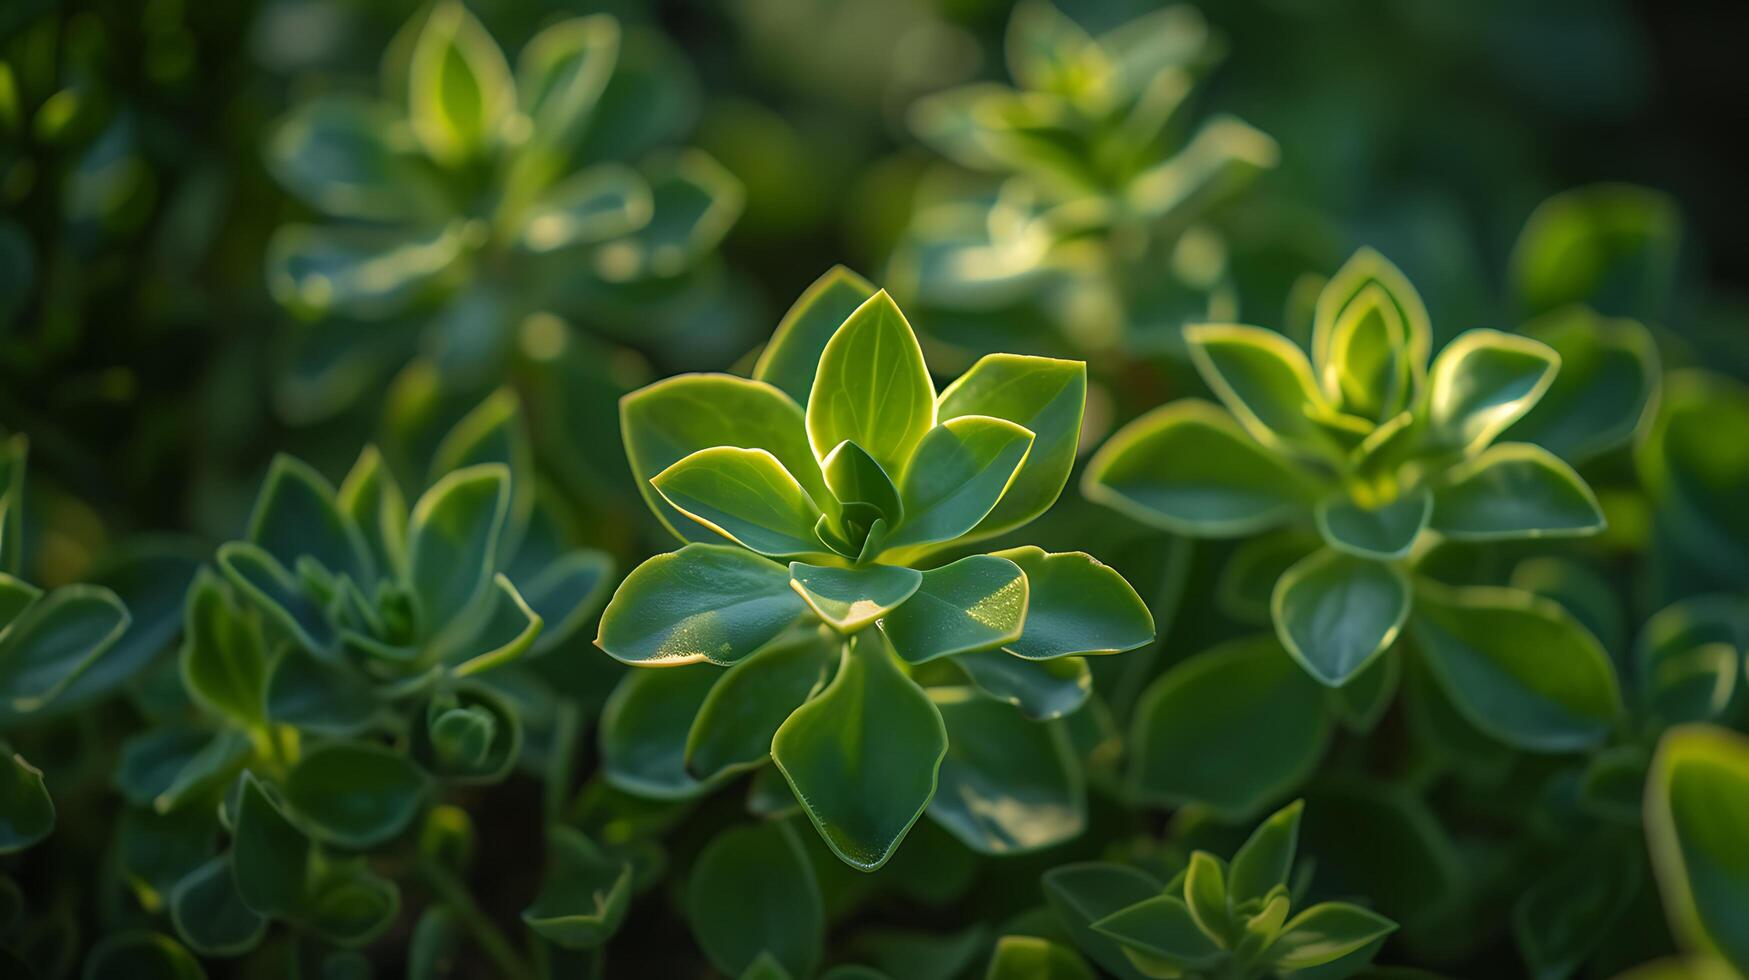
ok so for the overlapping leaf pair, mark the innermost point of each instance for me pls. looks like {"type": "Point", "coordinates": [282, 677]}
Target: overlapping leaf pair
{"type": "Point", "coordinates": [814, 575]}
{"type": "Point", "coordinates": [1095, 228]}
{"type": "Point", "coordinates": [1385, 455]}
{"type": "Point", "coordinates": [1213, 918]}
{"type": "Point", "coordinates": [486, 195]}
{"type": "Point", "coordinates": [351, 658]}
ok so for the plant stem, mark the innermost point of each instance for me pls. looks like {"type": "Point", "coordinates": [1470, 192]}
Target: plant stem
{"type": "Point", "coordinates": [491, 939]}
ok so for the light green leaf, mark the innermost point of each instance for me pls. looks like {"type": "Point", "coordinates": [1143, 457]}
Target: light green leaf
{"type": "Point", "coordinates": [1697, 798]}
{"type": "Point", "coordinates": [1335, 613]}
{"type": "Point", "coordinates": [1610, 246]}
{"type": "Point", "coordinates": [459, 89]}
{"type": "Point", "coordinates": [355, 795]}
{"type": "Point", "coordinates": [27, 815]}
{"type": "Point", "coordinates": [1691, 467]}
{"type": "Point", "coordinates": [734, 725]}
{"type": "Point", "coordinates": [371, 500]}
{"type": "Point", "coordinates": [703, 602]}
{"type": "Point", "coordinates": [1041, 689]}
{"type": "Point", "coordinates": [862, 757]}
{"type": "Point", "coordinates": [1235, 728]}
{"type": "Point", "coordinates": [55, 640]}
{"type": "Point", "coordinates": [1205, 894]}
{"type": "Point", "coordinates": [584, 894]}
{"type": "Point", "coordinates": [1367, 274]}
{"type": "Point", "coordinates": [1267, 856]}
{"type": "Point", "coordinates": [1187, 468]}
{"type": "Point", "coordinates": [1368, 371]}
{"type": "Point", "coordinates": [1076, 606]}
{"type": "Point", "coordinates": [452, 542]}
{"type": "Point", "coordinates": [1044, 395]}
{"type": "Point", "coordinates": [1265, 381]}
{"type": "Point", "coordinates": [1517, 667]}
{"type": "Point", "coordinates": [1515, 490]}
{"type": "Point", "coordinates": [644, 727]}
{"type": "Point", "coordinates": [1008, 784]}
{"type": "Point", "coordinates": [670, 420]}
{"type": "Point", "coordinates": [1162, 928]}
{"type": "Point", "coordinates": [1326, 932]}
{"type": "Point", "coordinates": [1482, 382]}
{"type": "Point", "coordinates": [976, 603]}
{"type": "Point", "coordinates": [849, 599]}
{"type": "Point", "coordinates": [959, 472]}
{"type": "Point", "coordinates": [856, 479]}
{"type": "Point", "coordinates": [753, 891]}
{"type": "Point", "coordinates": [872, 387]}
{"type": "Point", "coordinates": [596, 205]}
{"type": "Point", "coordinates": [494, 432]}
{"type": "Point", "coordinates": [746, 496]}
{"type": "Point", "coordinates": [223, 657]}
{"type": "Point", "coordinates": [560, 76]}
{"type": "Point", "coordinates": [1382, 533]}
{"type": "Point", "coordinates": [1032, 958]}
{"type": "Point", "coordinates": [792, 356]}
{"type": "Point", "coordinates": [209, 913]}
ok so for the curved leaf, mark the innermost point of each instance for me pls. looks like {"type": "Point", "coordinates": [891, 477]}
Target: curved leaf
{"type": "Point", "coordinates": [645, 726]}
{"type": "Point", "coordinates": [1335, 613]}
{"type": "Point", "coordinates": [746, 496]}
{"type": "Point", "coordinates": [356, 794]}
{"type": "Point", "coordinates": [1265, 381]}
{"type": "Point", "coordinates": [459, 89]}
{"type": "Point", "coordinates": [872, 387]}
{"type": "Point", "coordinates": [1482, 382]}
{"type": "Point", "coordinates": [849, 599]}
{"type": "Point", "coordinates": [959, 472]}
{"type": "Point", "coordinates": [703, 602]}
{"type": "Point", "coordinates": [752, 891]}
{"type": "Point", "coordinates": [55, 640]}
{"type": "Point", "coordinates": [976, 603]}
{"type": "Point", "coordinates": [1076, 606]}
{"type": "Point", "coordinates": [27, 815]}
{"type": "Point", "coordinates": [1515, 490]}
{"type": "Point", "coordinates": [735, 722]}
{"type": "Point", "coordinates": [1381, 534]}
{"type": "Point", "coordinates": [1007, 785]}
{"type": "Point", "coordinates": [792, 356]}
{"type": "Point", "coordinates": [1697, 797]}
{"type": "Point", "coordinates": [1041, 689]}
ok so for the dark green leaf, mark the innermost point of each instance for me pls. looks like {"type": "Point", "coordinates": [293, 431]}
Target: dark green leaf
{"type": "Point", "coordinates": [210, 915]}
{"type": "Point", "coordinates": [27, 815]}
{"type": "Point", "coordinates": [584, 895]}
{"type": "Point", "coordinates": [1515, 490]}
{"type": "Point", "coordinates": [140, 955]}
{"type": "Point", "coordinates": [1008, 785]}
{"type": "Point", "coordinates": [1482, 382]}
{"type": "Point", "coordinates": [297, 514]}
{"type": "Point", "coordinates": [753, 891]}
{"type": "Point", "coordinates": [849, 599]}
{"type": "Point", "coordinates": [1335, 613]}
{"type": "Point", "coordinates": [1045, 396]}
{"type": "Point", "coordinates": [356, 794]}
{"type": "Point", "coordinates": [1697, 798]}
{"type": "Point", "coordinates": [452, 542]}
{"type": "Point", "coordinates": [960, 469]}
{"type": "Point", "coordinates": [1326, 932]}
{"type": "Point", "coordinates": [1082, 894]}
{"type": "Point", "coordinates": [55, 640]}
{"type": "Point", "coordinates": [644, 728]}
{"type": "Point", "coordinates": [704, 602]}
{"type": "Point", "coordinates": [223, 660]}
{"type": "Point", "coordinates": [1041, 689]}
{"type": "Point", "coordinates": [976, 603]}
{"type": "Point", "coordinates": [1379, 533]}
{"type": "Point", "coordinates": [735, 723]}
{"type": "Point", "coordinates": [1076, 606]}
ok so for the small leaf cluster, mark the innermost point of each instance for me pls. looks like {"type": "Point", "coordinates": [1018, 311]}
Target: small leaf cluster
{"type": "Point", "coordinates": [820, 498]}
{"type": "Point", "coordinates": [468, 196]}
{"type": "Point", "coordinates": [1385, 455]}
{"type": "Point", "coordinates": [1090, 231]}
{"type": "Point", "coordinates": [1212, 919]}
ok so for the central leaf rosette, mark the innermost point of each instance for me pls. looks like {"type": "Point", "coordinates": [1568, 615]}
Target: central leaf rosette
{"type": "Point", "coordinates": [819, 498]}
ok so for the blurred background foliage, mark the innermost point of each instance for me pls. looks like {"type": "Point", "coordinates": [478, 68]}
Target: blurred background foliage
{"type": "Point", "coordinates": [176, 260]}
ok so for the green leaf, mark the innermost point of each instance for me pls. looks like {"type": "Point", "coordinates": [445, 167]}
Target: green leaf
{"type": "Point", "coordinates": [1566, 914]}
{"type": "Point", "coordinates": [1687, 659]}
{"type": "Point", "coordinates": [1163, 929]}
{"type": "Point", "coordinates": [602, 203]}
{"type": "Point", "coordinates": [1482, 382]}
{"type": "Point", "coordinates": [1234, 728]}
{"type": "Point", "coordinates": [1325, 932]}
{"type": "Point", "coordinates": [855, 478]}
{"type": "Point", "coordinates": [1008, 785]}
{"type": "Point", "coordinates": [1697, 798]}
{"type": "Point", "coordinates": [1044, 395]}
{"type": "Point", "coordinates": [1335, 613]}
{"type": "Point", "coordinates": [872, 387]}
{"type": "Point", "coordinates": [356, 795]}
{"type": "Point", "coordinates": [1265, 381]}
{"type": "Point", "coordinates": [493, 432]}
{"type": "Point", "coordinates": [1517, 667]}
{"type": "Point", "coordinates": [746, 496]}
{"type": "Point", "coordinates": [976, 603]}
{"type": "Point", "coordinates": [560, 75]}
{"type": "Point", "coordinates": [1367, 370]}
{"type": "Point", "coordinates": [1032, 958]}
{"type": "Point", "coordinates": [670, 420]}
{"type": "Point", "coordinates": [1076, 606]}
{"type": "Point", "coordinates": [644, 728]}
{"type": "Point", "coordinates": [734, 725]}
{"type": "Point", "coordinates": [850, 599]}
{"type": "Point", "coordinates": [1041, 689]}
{"type": "Point", "coordinates": [1205, 894]}
{"type": "Point", "coordinates": [459, 89]}
{"type": "Point", "coordinates": [960, 470]}
{"type": "Point", "coordinates": [431, 952]}
{"type": "Point", "coordinates": [1381, 534]}
{"type": "Point", "coordinates": [1085, 893]}
{"type": "Point", "coordinates": [164, 768]}
{"type": "Point", "coordinates": [792, 356]}
{"type": "Point", "coordinates": [567, 593]}
{"type": "Point", "coordinates": [704, 602]}
{"type": "Point", "coordinates": [223, 658]}
{"type": "Point", "coordinates": [371, 500]}
{"type": "Point", "coordinates": [317, 696]}
{"type": "Point", "coordinates": [1366, 277]}
{"type": "Point", "coordinates": [583, 895]}
{"type": "Point", "coordinates": [364, 271]}
{"type": "Point", "coordinates": [141, 955]}
{"type": "Point", "coordinates": [27, 815]}
{"type": "Point", "coordinates": [1267, 856]}
{"type": "Point", "coordinates": [509, 630]}
{"type": "Point", "coordinates": [1187, 468]}
{"type": "Point", "coordinates": [1689, 464]}
{"type": "Point", "coordinates": [471, 734]}
{"type": "Point", "coordinates": [209, 913]}
{"type": "Point", "coordinates": [296, 514]}
{"type": "Point", "coordinates": [1361, 703]}
{"type": "Point", "coordinates": [1610, 246]}
{"type": "Point", "coordinates": [280, 596]}
{"type": "Point", "coordinates": [55, 640]}
{"type": "Point", "coordinates": [753, 891]}
{"type": "Point", "coordinates": [1609, 378]}
{"type": "Point", "coordinates": [270, 856]}
{"type": "Point", "coordinates": [1515, 490]}
{"type": "Point", "coordinates": [337, 153]}
{"type": "Point", "coordinates": [862, 757]}
{"type": "Point", "coordinates": [350, 906]}
{"type": "Point", "coordinates": [452, 543]}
